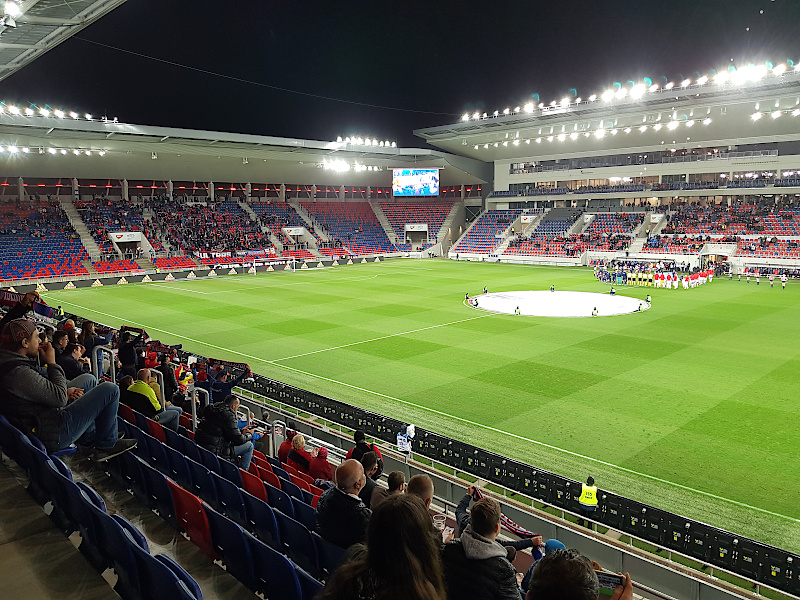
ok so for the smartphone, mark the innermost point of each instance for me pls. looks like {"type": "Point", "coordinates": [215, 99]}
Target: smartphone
{"type": "Point", "coordinates": [609, 582]}
{"type": "Point", "coordinates": [447, 532]}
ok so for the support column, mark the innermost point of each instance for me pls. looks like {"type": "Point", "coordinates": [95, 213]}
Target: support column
{"type": "Point", "coordinates": [463, 192]}
{"type": "Point", "coordinates": [125, 195]}
{"type": "Point", "coordinates": [21, 188]}
{"type": "Point", "coordinates": [369, 192]}
{"type": "Point", "coordinates": [76, 192]}
{"type": "Point", "coordinates": [282, 193]}
{"type": "Point", "coordinates": [170, 189]}
{"type": "Point", "coordinates": [211, 191]}
{"type": "Point", "coordinates": [314, 192]}
{"type": "Point", "coordinates": [341, 193]}
{"type": "Point", "coordinates": [247, 191]}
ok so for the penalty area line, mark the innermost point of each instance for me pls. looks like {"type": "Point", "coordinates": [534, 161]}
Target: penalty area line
{"type": "Point", "coordinates": [453, 417]}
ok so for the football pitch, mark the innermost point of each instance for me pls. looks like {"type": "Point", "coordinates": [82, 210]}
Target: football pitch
{"type": "Point", "coordinates": [691, 406]}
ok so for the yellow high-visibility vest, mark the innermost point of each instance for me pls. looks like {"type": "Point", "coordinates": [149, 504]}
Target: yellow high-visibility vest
{"type": "Point", "coordinates": [588, 495]}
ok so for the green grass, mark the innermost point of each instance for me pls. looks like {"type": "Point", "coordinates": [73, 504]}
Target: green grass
{"type": "Point", "coordinates": [691, 406]}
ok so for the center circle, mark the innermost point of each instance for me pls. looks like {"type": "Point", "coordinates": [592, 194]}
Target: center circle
{"type": "Point", "coordinates": [544, 303]}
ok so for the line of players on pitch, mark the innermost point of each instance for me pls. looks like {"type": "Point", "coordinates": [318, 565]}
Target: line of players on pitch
{"type": "Point", "coordinates": [659, 279]}
{"type": "Point", "coordinates": [757, 275]}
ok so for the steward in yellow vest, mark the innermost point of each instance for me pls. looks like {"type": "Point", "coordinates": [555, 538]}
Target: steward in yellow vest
{"type": "Point", "coordinates": [588, 500]}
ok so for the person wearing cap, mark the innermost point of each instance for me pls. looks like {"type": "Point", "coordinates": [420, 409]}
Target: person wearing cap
{"type": "Point", "coordinates": [37, 400]}
{"type": "Point", "coordinates": [320, 468]}
{"type": "Point", "coordinates": [538, 552]}
{"type": "Point", "coordinates": [221, 388]}
{"type": "Point", "coordinates": [286, 446]}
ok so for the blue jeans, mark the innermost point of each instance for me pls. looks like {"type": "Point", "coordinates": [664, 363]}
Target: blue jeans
{"type": "Point", "coordinates": [246, 452]}
{"type": "Point", "coordinates": [91, 420]}
{"type": "Point", "coordinates": [169, 417]}
{"type": "Point", "coordinates": [87, 382]}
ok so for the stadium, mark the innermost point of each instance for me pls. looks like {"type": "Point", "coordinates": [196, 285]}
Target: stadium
{"type": "Point", "coordinates": [601, 286]}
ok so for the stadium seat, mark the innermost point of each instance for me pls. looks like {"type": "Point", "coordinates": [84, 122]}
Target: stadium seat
{"type": "Point", "coordinates": [269, 477]}
{"type": "Point", "coordinates": [261, 521]}
{"type": "Point", "coordinates": [309, 586]}
{"type": "Point", "coordinates": [230, 471]}
{"type": "Point", "coordinates": [208, 459]}
{"type": "Point", "coordinates": [178, 468]}
{"type": "Point", "coordinates": [279, 500]}
{"type": "Point", "coordinates": [156, 430]}
{"type": "Point", "coordinates": [231, 544]}
{"type": "Point", "coordinates": [229, 500]}
{"type": "Point", "coordinates": [298, 543]}
{"type": "Point", "coordinates": [291, 489]}
{"type": "Point", "coordinates": [276, 573]}
{"type": "Point", "coordinates": [330, 555]}
{"type": "Point", "coordinates": [202, 484]}
{"type": "Point", "coordinates": [157, 579]}
{"type": "Point", "coordinates": [159, 495]}
{"type": "Point", "coordinates": [191, 518]}
{"type": "Point", "coordinates": [305, 514]}
{"type": "Point", "coordinates": [299, 482]}
{"type": "Point", "coordinates": [253, 485]}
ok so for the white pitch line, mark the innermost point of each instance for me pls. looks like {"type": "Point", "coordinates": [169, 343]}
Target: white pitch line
{"type": "Point", "coordinates": [383, 337]}
{"type": "Point", "coordinates": [453, 417]}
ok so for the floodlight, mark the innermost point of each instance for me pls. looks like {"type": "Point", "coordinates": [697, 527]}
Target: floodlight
{"type": "Point", "coordinates": [796, 112]}
{"type": "Point", "coordinates": [613, 132]}
{"type": "Point", "coordinates": [505, 143]}
{"type": "Point", "coordinates": [538, 140]}
{"type": "Point", "coordinates": [657, 126]}
{"type": "Point", "coordinates": [643, 128]}
{"type": "Point", "coordinates": [506, 111]}
{"type": "Point", "coordinates": [669, 86]}
{"type": "Point", "coordinates": [608, 95]}
{"type": "Point", "coordinates": [654, 87]}
{"type": "Point", "coordinates": [26, 150]}
{"type": "Point", "coordinates": [578, 100]}
{"type": "Point", "coordinates": [573, 136]}
{"type": "Point", "coordinates": [29, 112]}
{"type": "Point", "coordinates": [484, 115]}
{"type": "Point", "coordinates": [686, 83]}
{"type": "Point", "coordinates": [587, 134]}
{"type": "Point", "coordinates": [465, 117]}
{"type": "Point", "coordinates": [516, 109]}
{"type": "Point", "coordinates": [44, 112]}
{"type": "Point", "coordinates": [476, 116]}
{"type": "Point", "coordinates": [627, 130]}
{"type": "Point", "coordinates": [565, 102]}
{"type": "Point", "coordinates": [63, 151]}
{"type": "Point", "coordinates": [637, 91]}
{"type": "Point", "coordinates": [756, 116]}
{"type": "Point", "coordinates": [528, 141]}
{"type": "Point", "coordinates": [516, 142]}
{"type": "Point", "coordinates": [690, 122]}
{"type": "Point", "coordinates": [552, 102]}
{"type": "Point", "coordinates": [593, 97]}
{"type": "Point", "coordinates": [776, 114]}
{"type": "Point", "coordinates": [394, 144]}
{"type": "Point", "coordinates": [672, 125]}
{"type": "Point", "coordinates": [88, 117]}
{"type": "Point", "coordinates": [529, 107]}
{"type": "Point", "coordinates": [13, 110]}
{"type": "Point", "coordinates": [76, 152]}
{"type": "Point", "coordinates": [541, 104]}
{"type": "Point", "coordinates": [496, 144]}
{"type": "Point", "coordinates": [621, 93]}
{"type": "Point", "coordinates": [599, 133]}
{"type": "Point", "coordinates": [88, 153]}
{"type": "Point", "coordinates": [702, 80]}
{"type": "Point", "coordinates": [11, 9]}
{"type": "Point", "coordinates": [73, 114]}
{"type": "Point", "coordinates": [562, 137]}
{"type": "Point", "coordinates": [706, 121]}
{"type": "Point", "coordinates": [485, 146]}
{"type": "Point", "coordinates": [721, 77]}
{"type": "Point", "coordinates": [51, 150]}
{"type": "Point", "coordinates": [495, 113]}
{"type": "Point", "coordinates": [550, 138]}
{"type": "Point", "coordinates": [13, 149]}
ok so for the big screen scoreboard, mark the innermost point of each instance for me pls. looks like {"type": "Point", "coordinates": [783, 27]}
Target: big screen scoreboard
{"type": "Point", "coordinates": [415, 182]}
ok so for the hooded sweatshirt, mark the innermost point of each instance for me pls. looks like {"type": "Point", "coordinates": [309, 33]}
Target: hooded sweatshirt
{"type": "Point", "coordinates": [476, 567]}
{"type": "Point", "coordinates": [32, 397]}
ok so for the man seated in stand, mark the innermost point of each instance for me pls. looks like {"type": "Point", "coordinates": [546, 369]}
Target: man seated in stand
{"type": "Point", "coordinates": [72, 362]}
{"type": "Point", "coordinates": [370, 463]}
{"type": "Point", "coordinates": [219, 432]}
{"type": "Point", "coordinates": [342, 518]}
{"type": "Point", "coordinates": [37, 400]}
{"type": "Point", "coordinates": [568, 574]}
{"type": "Point", "coordinates": [141, 397]}
{"type": "Point", "coordinates": [475, 565]}
{"type": "Point", "coordinates": [60, 341]}
{"type": "Point", "coordinates": [397, 484]}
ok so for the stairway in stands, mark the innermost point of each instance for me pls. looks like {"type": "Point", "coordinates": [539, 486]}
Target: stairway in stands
{"type": "Point", "coordinates": [75, 220]}
{"type": "Point", "coordinates": [387, 226]}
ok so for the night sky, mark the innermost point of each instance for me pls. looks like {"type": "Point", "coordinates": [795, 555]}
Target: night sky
{"type": "Point", "coordinates": [425, 62]}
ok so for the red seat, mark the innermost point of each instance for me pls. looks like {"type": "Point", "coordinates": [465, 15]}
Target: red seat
{"type": "Point", "coordinates": [269, 477]}
{"type": "Point", "coordinates": [307, 478]}
{"type": "Point", "coordinates": [289, 469]}
{"type": "Point", "coordinates": [192, 518]}
{"type": "Point", "coordinates": [299, 482]}
{"type": "Point", "coordinates": [253, 485]}
{"type": "Point", "coordinates": [259, 454]}
{"type": "Point", "coordinates": [263, 463]}
{"type": "Point", "coordinates": [186, 421]}
{"type": "Point", "coordinates": [157, 431]}
{"type": "Point", "coordinates": [315, 490]}
{"type": "Point", "coordinates": [314, 501]}
{"type": "Point", "coordinates": [126, 412]}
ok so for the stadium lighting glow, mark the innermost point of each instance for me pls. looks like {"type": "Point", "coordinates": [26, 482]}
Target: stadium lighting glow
{"type": "Point", "coordinates": [721, 77]}
{"type": "Point", "coordinates": [573, 136]}
{"type": "Point", "coordinates": [13, 110]}
{"type": "Point", "coordinates": [776, 114]}
{"type": "Point", "coordinates": [529, 107]}
{"type": "Point", "coordinates": [599, 133]}
{"type": "Point", "coordinates": [538, 140]}
{"type": "Point", "coordinates": [657, 126]}
{"type": "Point", "coordinates": [686, 82]}
{"type": "Point", "coordinates": [465, 117]}
{"type": "Point", "coordinates": [706, 121]}
{"type": "Point", "coordinates": [562, 137]}
{"type": "Point", "coordinates": [796, 112]}
{"type": "Point", "coordinates": [486, 145]}
{"type": "Point", "coordinates": [63, 151]}
{"type": "Point", "coordinates": [505, 143]}
{"type": "Point", "coordinates": [516, 109]}
{"type": "Point", "coordinates": [627, 130]}
{"type": "Point", "coordinates": [669, 86]}
{"type": "Point", "coordinates": [11, 9]}
{"type": "Point", "coordinates": [756, 116]}
{"type": "Point", "coordinates": [621, 93]}
{"type": "Point", "coordinates": [29, 112]}
{"type": "Point", "coordinates": [496, 144]}
{"type": "Point", "coordinates": [593, 97]}
{"type": "Point", "coordinates": [643, 128]}
{"type": "Point", "coordinates": [614, 132]}
{"type": "Point", "coordinates": [13, 149]}
{"type": "Point", "coordinates": [73, 114]}
{"type": "Point", "coordinates": [394, 144]}
{"type": "Point", "coordinates": [672, 125]}
{"type": "Point", "coordinates": [608, 95]}
{"type": "Point", "coordinates": [637, 91]}
{"type": "Point", "coordinates": [516, 142]}
{"type": "Point", "coordinates": [51, 150]}
{"type": "Point", "coordinates": [654, 87]}
{"type": "Point", "coordinates": [549, 138]}
{"type": "Point", "coordinates": [88, 117]}
{"type": "Point", "coordinates": [690, 122]}
{"type": "Point", "coordinates": [76, 152]}
{"type": "Point", "coordinates": [476, 116]}
{"type": "Point", "coordinates": [528, 141]}
{"type": "Point", "coordinates": [26, 150]}
{"type": "Point", "coordinates": [88, 153]}
{"type": "Point", "coordinates": [702, 80]}
{"type": "Point", "coordinates": [565, 102]}
{"type": "Point", "coordinates": [506, 111]}
{"type": "Point", "coordinates": [336, 165]}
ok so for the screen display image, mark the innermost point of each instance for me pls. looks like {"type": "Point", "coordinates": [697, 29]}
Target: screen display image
{"type": "Point", "coordinates": [415, 182]}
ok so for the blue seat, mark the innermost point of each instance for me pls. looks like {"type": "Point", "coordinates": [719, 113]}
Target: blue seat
{"type": "Point", "coordinates": [173, 439]}
{"type": "Point", "coordinates": [305, 514]}
{"type": "Point", "coordinates": [208, 459]}
{"type": "Point", "coordinates": [308, 497]}
{"type": "Point", "coordinates": [330, 555]}
{"type": "Point", "coordinates": [309, 586]}
{"type": "Point", "coordinates": [141, 421]}
{"type": "Point", "coordinates": [261, 521]}
{"type": "Point", "coordinates": [60, 489]}
{"type": "Point", "coordinates": [274, 462]}
{"type": "Point", "coordinates": [202, 484]}
{"type": "Point", "coordinates": [156, 579]}
{"type": "Point", "coordinates": [141, 437]}
{"type": "Point", "coordinates": [159, 496]}
{"type": "Point", "coordinates": [230, 543]}
{"type": "Point", "coordinates": [91, 546]}
{"type": "Point", "coordinates": [156, 454]}
{"type": "Point", "coordinates": [229, 500]}
{"type": "Point", "coordinates": [182, 574]}
{"type": "Point", "coordinates": [177, 469]}
{"type": "Point", "coordinates": [34, 462]}
{"type": "Point", "coordinates": [129, 466]}
{"type": "Point", "coordinates": [298, 543]}
{"type": "Point", "coordinates": [276, 573]}
{"type": "Point", "coordinates": [292, 489]}
{"type": "Point", "coordinates": [280, 472]}
{"type": "Point", "coordinates": [230, 471]}
{"type": "Point", "coordinates": [279, 500]}
{"type": "Point", "coordinates": [9, 439]}
{"type": "Point", "coordinates": [190, 449]}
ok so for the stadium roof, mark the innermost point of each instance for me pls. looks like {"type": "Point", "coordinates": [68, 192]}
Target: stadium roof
{"type": "Point", "coordinates": [43, 25]}
{"type": "Point", "coordinates": [51, 146]}
{"type": "Point", "coordinates": [716, 113]}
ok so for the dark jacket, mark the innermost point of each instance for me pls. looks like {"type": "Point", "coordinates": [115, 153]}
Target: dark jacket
{"type": "Point", "coordinates": [127, 351]}
{"type": "Point", "coordinates": [138, 402]}
{"type": "Point", "coordinates": [32, 397]}
{"type": "Point", "coordinates": [72, 368]}
{"type": "Point", "coordinates": [170, 381]}
{"type": "Point", "coordinates": [366, 492]}
{"type": "Point", "coordinates": [219, 430]}
{"type": "Point", "coordinates": [89, 342]}
{"type": "Point", "coordinates": [17, 311]}
{"type": "Point", "coordinates": [222, 389]}
{"type": "Point", "coordinates": [477, 568]}
{"type": "Point", "coordinates": [299, 459]}
{"type": "Point", "coordinates": [342, 519]}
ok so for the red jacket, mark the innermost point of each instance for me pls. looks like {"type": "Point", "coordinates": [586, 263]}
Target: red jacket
{"type": "Point", "coordinates": [320, 469]}
{"type": "Point", "coordinates": [283, 450]}
{"type": "Point", "coordinates": [303, 468]}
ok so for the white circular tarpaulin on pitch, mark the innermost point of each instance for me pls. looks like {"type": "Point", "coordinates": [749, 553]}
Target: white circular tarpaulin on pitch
{"type": "Point", "coordinates": [544, 303]}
